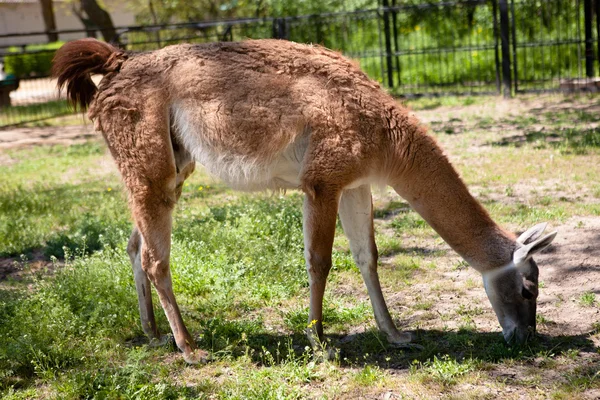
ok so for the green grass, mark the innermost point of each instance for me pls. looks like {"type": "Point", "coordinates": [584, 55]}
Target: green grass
{"type": "Point", "coordinates": [368, 375]}
{"type": "Point", "coordinates": [444, 370]}
{"type": "Point", "coordinates": [33, 198]}
{"type": "Point", "coordinates": [588, 299]}
{"type": "Point", "coordinates": [432, 103]}
{"type": "Point", "coordinates": [69, 324]}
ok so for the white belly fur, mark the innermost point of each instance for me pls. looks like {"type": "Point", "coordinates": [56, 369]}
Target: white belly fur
{"type": "Point", "coordinates": [245, 173]}
{"type": "Point", "coordinates": [239, 172]}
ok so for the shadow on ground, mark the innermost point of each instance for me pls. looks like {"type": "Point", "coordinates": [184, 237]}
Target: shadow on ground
{"type": "Point", "coordinates": [371, 347]}
{"type": "Point", "coordinates": [568, 139]}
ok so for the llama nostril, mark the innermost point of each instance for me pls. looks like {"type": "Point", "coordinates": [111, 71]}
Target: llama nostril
{"type": "Point", "coordinates": [509, 335]}
{"type": "Point", "coordinates": [530, 331]}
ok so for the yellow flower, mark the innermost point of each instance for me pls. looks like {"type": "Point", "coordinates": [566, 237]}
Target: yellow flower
{"type": "Point", "coordinates": [108, 189]}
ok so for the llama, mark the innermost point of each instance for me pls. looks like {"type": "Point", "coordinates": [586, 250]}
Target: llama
{"type": "Point", "coordinates": [273, 114]}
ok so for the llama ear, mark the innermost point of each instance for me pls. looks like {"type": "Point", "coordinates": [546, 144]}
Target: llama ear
{"type": "Point", "coordinates": [522, 254]}
{"type": "Point", "coordinates": [532, 233]}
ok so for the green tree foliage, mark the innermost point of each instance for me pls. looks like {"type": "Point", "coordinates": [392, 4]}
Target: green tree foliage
{"type": "Point", "coordinates": [170, 11]}
{"type": "Point", "coordinates": [452, 22]}
{"type": "Point", "coordinates": [546, 16]}
{"type": "Point", "coordinates": [36, 61]}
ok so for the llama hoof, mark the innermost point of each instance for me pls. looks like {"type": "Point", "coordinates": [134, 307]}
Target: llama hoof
{"type": "Point", "coordinates": [403, 340]}
{"type": "Point", "coordinates": [408, 346]}
{"type": "Point", "coordinates": [332, 353]}
{"type": "Point", "coordinates": [329, 354]}
{"type": "Point", "coordinates": [399, 338]}
{"type": "Point", "coordinates": [196, 357]}
{"type": "Point", "coordinates": [160, 341]}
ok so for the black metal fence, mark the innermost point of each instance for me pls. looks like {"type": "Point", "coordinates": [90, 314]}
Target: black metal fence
{"type": "Point", "coordinates": [429, 48]}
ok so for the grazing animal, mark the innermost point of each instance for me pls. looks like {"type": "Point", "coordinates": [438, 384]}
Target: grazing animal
{"type": "Point", "coordinates": [272, 114]}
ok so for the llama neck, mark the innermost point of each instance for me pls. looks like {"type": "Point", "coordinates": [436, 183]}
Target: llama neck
{"type": "Point", "coordinates": [426, 179]}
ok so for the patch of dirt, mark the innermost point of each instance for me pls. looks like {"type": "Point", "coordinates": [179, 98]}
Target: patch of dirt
{"type": "Point", "coordinates": [514, 122]}
{"type": "Point", "coordinates": [570, 268]}
{"type": "Point", "coordinates": [9, 267]}
{"type": "Point", "coordinates": [535, 190]}
{"type": "Point", "coordinates": [23, 137]}
{"type": "Point", "coordinates": [500, 108]}
{"type": "Point", "coordinates": [15, 268]}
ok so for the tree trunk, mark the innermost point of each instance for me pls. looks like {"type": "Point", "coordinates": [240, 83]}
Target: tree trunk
{"type": "Point", "coordinates": [101, 19]}
{"type": "Point", "coordinates": [49, 20]}
{"type": "Point", "coordinates": [155, 21]}
{"type": "Point", "coordinates": [90, 28]}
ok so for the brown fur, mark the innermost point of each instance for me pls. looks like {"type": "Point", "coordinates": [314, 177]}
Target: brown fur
{"type": "Point", "coordinates": [248, 111]}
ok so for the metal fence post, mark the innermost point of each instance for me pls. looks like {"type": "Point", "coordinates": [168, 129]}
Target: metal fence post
{"type": "Point", "coordinates": [515, 59]}
{"type": "Point", "coordinates": [496, 55]}
{"type": "Point", "coordinates": [395, 34]}
{"type": "Point", "coordinates": [598, 30]}
{"type": "Point", "coordinates": [279, 29]}
{"type": "Point", "coordinates": [388, 44]}
{"type": "Point", "coordinates": [504, 38]}
{"type": "Point", "coordinates": [589, 40]}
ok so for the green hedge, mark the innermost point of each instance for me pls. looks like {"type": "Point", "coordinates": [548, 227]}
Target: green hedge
{"type": "Point", "coordinates": [36, 60]}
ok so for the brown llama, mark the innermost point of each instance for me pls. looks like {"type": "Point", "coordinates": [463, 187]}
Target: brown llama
{"type": "Point", "coordinates": [272, 114]}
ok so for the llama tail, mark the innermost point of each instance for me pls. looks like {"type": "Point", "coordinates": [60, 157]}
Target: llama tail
{"type": "Point", "coordinates": [76, 61]}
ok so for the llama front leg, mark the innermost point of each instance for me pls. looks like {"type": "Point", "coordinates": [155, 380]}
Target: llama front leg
{"type": "Point", "coordinates": [319, 229]}
{"type": "Point", "coordinates": [356, 215]}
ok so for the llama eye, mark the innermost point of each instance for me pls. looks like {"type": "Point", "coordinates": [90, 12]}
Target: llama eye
{"type": "Point", "coordinates": [527, 294]}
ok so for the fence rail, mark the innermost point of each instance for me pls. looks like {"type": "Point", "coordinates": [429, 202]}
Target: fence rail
{"type": "Point", "coordinates": [450, 47]}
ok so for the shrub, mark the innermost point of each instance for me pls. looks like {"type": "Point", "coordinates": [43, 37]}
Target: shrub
{"type": "Point", "coordinates": [34, 60]}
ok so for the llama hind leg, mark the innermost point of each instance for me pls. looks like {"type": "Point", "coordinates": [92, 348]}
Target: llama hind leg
{"type": "Point", "coordinates": [356, 215]}
{"type": "Point", "coordinates": [153, 219]}
{"type": "Point", "coordinates": [142, 286]}
{"type": "Point", "coordinates": [185, 166]}
{"type": "Point", "coordinates": [140, 142]}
